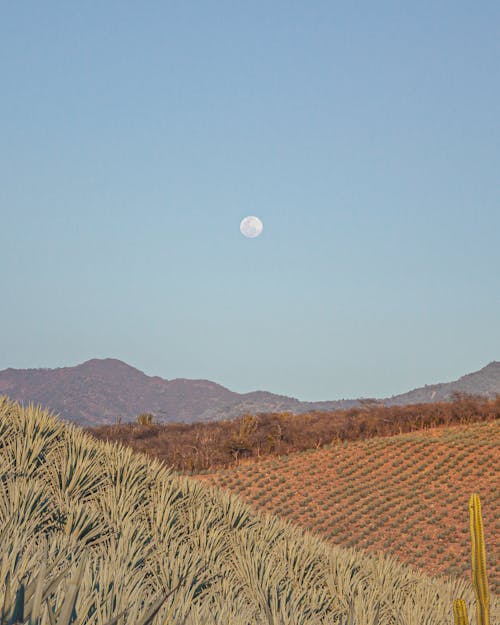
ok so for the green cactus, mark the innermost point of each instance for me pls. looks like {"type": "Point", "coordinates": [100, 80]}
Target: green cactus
{"type": "Point", "coordinates": [460, 612]}
{"type": "Point", "coordinates": [479, 579]}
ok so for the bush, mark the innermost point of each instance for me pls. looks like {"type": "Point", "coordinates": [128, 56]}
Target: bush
{"type": "Point", "coordinates": [146, 418]}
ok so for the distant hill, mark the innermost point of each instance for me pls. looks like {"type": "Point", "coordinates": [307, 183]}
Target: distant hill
{"type": "Point", "coordinates": [100, 391]}
{"type": "Point", "coordinates": [484, 382]}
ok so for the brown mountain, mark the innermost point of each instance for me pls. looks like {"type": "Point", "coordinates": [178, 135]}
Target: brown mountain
{"type": "Point", "coordinates": [98, 392]}
{"type": "Point", "coordinates": [101, 391]}
{"type": "Point", "coordinates": [484, 382]}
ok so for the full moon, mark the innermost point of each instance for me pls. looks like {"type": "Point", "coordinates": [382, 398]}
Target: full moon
{"type": "Point", "coordinates": [251, 227]}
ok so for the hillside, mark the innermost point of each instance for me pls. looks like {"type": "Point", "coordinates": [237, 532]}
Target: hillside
{"type": "Point", "coordinates": [135, 537]}
{"type": "Point", "coordinates": [485, 382]}
{"type": "Point", "coordinates": [195, 447]}
{"type": "Point", "coordinates": [99, 392]}
{"type": "Point", "coordinates": [397, 494]}
{"type": "Point", "coordinates": [103, 391]}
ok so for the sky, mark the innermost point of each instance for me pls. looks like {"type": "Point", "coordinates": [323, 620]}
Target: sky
{"type": "Point", "coordinates": [134, 138]}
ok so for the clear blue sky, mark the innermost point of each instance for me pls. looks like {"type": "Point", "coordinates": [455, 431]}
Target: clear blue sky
{"type": "Point", "coordinates": [134, 137]}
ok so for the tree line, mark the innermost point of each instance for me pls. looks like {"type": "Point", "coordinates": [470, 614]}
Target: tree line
{"type": "Point", "coordinates": [205, 446]}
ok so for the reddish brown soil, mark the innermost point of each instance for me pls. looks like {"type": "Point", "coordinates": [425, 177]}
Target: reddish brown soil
{"type": "Point", "coordinates": [406, 495]}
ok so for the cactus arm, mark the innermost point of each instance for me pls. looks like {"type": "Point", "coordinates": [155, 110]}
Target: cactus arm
{"type": "Point", "coordinates": [479, 578]}
{"type": "Point", "coordinates": [460, 612]}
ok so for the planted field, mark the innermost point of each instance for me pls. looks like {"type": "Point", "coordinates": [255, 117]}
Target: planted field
{"type": "Point", "coordinates": [402, 495]}
{"type": "Point", "coordinates": [91, 530]}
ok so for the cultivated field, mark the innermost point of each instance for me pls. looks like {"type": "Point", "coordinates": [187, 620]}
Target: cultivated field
{"type": "Point", "coordinates": [403, 495]}
{"type": "Point", "coordinates": [97, 526]}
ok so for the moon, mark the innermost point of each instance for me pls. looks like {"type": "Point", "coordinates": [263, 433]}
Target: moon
{"type": "Point", "coordinates": [251, 227]}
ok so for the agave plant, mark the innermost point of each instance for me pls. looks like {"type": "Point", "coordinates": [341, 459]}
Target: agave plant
{"type": "Point", "coordinates": [98, 535]}
{"type": "Point", "coordinates": [25, 607]}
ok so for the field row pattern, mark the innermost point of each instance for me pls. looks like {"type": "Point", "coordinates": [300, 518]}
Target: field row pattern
{"type": "Point", "coordinates": [404, 495]}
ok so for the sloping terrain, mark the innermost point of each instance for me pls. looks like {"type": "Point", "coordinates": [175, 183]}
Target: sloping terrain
{"type": "Point", "coordinates": [197, 447]}
{"type": "Point", "coordinates": [400, 494]}
{"type": "Point", "coordinates": [485, 382]}
{"type": "Point", "coordinates": [99, 392]}
{"type": "Point", "coordinates": [131, 531]}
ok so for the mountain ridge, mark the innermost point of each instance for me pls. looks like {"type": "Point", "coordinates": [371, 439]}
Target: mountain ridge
{"type": "Point", "coordinates": [101, 391]}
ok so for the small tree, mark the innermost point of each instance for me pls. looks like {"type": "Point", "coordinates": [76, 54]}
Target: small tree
{"type": "Point", "coordinates": [146, 418]}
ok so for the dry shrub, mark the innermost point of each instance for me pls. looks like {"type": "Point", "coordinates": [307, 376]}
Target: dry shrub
{"type": "Point", "coordinates": [197, 447]}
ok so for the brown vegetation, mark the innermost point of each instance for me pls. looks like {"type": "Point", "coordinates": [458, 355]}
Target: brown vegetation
{"type": "Point", "coordinates": [199, 447]}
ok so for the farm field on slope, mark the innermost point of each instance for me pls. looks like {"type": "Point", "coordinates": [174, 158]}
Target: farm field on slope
{"type": "Point", "coordinates": [104, 528]}
{"type": "Point", "coordinates": [404, 495]}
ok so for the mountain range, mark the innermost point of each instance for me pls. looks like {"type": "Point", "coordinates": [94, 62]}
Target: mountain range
{"type": "Point", "coordinates": [101, 391]}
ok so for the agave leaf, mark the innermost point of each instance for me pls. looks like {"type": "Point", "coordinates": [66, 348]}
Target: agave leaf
{"type": "Point", "coordinates": [7, 596]}
{"type": "Point", "coordinates": [116, 618]}
{"type": "Point", "coordinates": [71, 593]}
{"type": "Point", "coordinates": [31, 588]}
{"type": "Point", "coordinates": [154, 610]}
{"type": "Point", "coordinates": [37, 599]}
{"type": "Point", "coordinates": [5, 530]}
{"type": "Point", "coordinates": [52, 617]}
{"type": "Point", "coordinates": [149, 616]}
{"type": "Point", "coordinates": [18, 613]}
